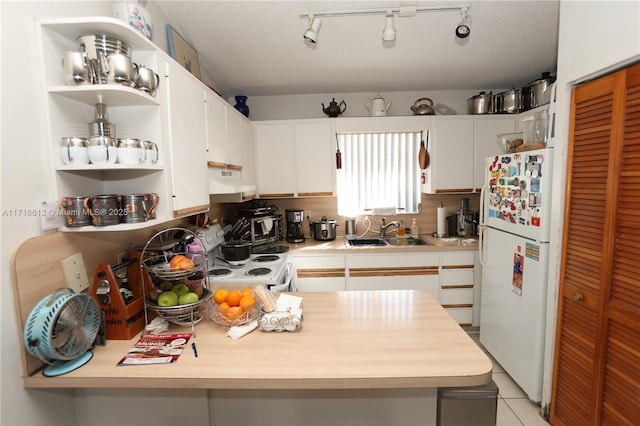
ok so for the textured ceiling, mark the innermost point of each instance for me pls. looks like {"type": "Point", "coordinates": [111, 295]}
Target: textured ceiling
{"type": "Point", "coordinates": [256, 47]}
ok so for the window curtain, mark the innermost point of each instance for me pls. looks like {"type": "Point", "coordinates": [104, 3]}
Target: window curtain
{"type": "Point", "coordinates": [378, 170]}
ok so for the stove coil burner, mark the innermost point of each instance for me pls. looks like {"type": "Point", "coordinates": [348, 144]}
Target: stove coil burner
{"type": "Point", "coordinates": [266, 258]}
{"type": "Point", "coordinates": [257, 272]}
{"type": "Point", "coordinates": [219, 272]}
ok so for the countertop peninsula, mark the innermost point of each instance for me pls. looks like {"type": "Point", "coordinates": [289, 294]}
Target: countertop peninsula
{"type": "Point", "coordinates": [349, 340]}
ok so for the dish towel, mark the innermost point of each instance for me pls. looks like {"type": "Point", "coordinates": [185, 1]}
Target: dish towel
{"type": "Point", "coordinates": [237, 331]}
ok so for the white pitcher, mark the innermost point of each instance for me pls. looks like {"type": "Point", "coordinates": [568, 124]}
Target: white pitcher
{"type": "Point", "coordinates": [378, 108]}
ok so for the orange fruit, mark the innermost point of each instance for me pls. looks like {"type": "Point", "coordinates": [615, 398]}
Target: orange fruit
{"type": "Point", "coordinates": [220, 296]}
{"type": "Point", "coordinates": [180, 263]}
{"type": "Point", "coordinates": [234, 312]}
{"type": "Point", "coordinates": [247, 291]}
{"type": "Point", "coordinates": [224, 307]}
{"type": "Point", "coordinates": [247, 303]}
{"type": "Point", "coordinates": [234, 297]}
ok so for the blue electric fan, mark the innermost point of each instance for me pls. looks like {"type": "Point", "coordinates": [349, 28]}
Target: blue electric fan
{"type": "Point", "coordinates": [61, 329]}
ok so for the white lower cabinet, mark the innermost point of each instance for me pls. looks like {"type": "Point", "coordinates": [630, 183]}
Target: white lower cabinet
{"type": "Point", "coordinates": [320, 273]}
{"type": "Point", "coordinates": [450, 277]}
{"type": "Point", "coordinates": [402, 271]}
{"type": "Point", "coordinates": [457, 285]}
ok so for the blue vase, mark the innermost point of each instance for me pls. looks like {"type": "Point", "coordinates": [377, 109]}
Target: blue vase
{"type": "Point", "coordinates": [241, 105]}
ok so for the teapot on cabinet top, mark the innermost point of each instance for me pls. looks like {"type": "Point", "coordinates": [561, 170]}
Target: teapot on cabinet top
{"type": "Point", "coordinates": [378, 107]}
{"type": "Point", "coordinates": [334, 109]}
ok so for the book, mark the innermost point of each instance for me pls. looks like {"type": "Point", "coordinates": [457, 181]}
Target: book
{"type": "Point", "coordinates": [156, 349]}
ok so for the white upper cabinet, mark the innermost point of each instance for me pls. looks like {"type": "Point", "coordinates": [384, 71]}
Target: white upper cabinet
{"type": "Point", "coordinates": [486, 130]}
{"type": "Point", "coordinates": [314, 158]}
{"type": "Point", "coordinates": [186, 122]}
{"type": "Point", "coordinates": [235, 133]}
{"type": "Point", "coordinates": [216, 130]}
{"type": "Point", "coordinates": [274, 159]}
{"type": "Point", "coordinates": [224, 133]}
{"type": "Point", "coordinates": [451, 155]}
{"type": "Point", "coordinates": [294, 158]}
{"type": "Point", "coordinates": [457, 149]}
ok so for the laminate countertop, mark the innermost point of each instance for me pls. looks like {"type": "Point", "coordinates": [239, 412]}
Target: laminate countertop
{"type": "Point", "coordinates": [349, 340]}
{"type": "Point", "coordinates": [339, 245]}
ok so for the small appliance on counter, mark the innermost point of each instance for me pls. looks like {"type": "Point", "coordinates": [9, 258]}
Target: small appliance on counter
{"type": "Point", "coordinates": [351, 228]}
{"type": "Point", "coordinates": [323, 229]}
{"type": "Point", "coordinates": [294, 218]}
{"type": "Point", "coordinates": [464, 222]}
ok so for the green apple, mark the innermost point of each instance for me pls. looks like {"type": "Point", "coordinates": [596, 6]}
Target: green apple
{"type": "Point", "coordinates": [187, 298]}
{"type": "Point", "coordinates": [180, 289]}
{"type": "Point", "coordinates": [167, 298]}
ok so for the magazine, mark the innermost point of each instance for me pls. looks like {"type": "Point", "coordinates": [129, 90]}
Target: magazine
{"type": "Point", "coordinates": [156, 349]}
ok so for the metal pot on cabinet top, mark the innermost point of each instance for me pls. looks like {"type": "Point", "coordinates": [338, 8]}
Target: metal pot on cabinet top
{"type": "Point", "coordinates": [481, 103]}
{"type": "Point", "coordinates": [423, 106]}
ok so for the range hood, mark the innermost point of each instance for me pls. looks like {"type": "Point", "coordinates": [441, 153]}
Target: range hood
{"type": "Point", "coordinates": [226, 186]}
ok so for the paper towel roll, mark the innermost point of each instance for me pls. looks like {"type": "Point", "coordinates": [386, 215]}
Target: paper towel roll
{"type": "Point", "coordinates": [442, 213]}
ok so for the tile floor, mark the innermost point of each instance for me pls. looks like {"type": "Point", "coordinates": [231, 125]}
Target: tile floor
{"type": "Point", "coordinates": [514, 408]}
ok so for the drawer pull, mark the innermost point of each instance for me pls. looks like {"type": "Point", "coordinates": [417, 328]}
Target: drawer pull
{"type": "Point", "coordinates": [577, 297]}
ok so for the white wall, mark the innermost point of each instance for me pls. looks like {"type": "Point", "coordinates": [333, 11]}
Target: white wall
{"type": "Point", "coordinates": [595, 38]}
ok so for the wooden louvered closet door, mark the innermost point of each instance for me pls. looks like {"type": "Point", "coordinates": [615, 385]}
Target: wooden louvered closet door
{"type": "Point", "coordinates": [597, 358]}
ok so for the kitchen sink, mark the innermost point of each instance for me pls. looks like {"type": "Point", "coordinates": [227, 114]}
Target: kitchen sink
{"type": "Point", "coordinates": [367, 242]}
{"type": "Point", "coordinates": [387, 241]}
{"type": "Point", "coordinates": [394, 241]}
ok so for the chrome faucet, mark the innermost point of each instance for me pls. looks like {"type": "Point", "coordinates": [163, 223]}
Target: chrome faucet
{"type": "Point", "coordinates": [384, 226]}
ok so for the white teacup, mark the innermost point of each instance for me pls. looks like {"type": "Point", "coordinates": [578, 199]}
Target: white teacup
{"type": "Point", "coordinates": [102, 150]}
{"type": "Point", "coordinates": [74, 151]}
{"type": "Point", "coordinates": [130, 151]}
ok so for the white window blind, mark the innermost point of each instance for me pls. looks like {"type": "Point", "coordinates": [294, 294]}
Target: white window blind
{"type": "Point", "coordinates": [378, 170]}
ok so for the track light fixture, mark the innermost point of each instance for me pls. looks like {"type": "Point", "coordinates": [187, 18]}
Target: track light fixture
{"type": "Point", "coordinates": [464, 28]}
{"type": "Point", "coordinates": [389, 33]}
{"type": "Point", "coordinates": [311, 35]}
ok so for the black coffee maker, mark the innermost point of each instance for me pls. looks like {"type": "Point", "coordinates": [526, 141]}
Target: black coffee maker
{"type": "Point", "coordinates": [294, 219]}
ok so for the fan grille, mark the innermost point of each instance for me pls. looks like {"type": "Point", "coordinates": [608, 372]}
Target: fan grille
{"type": "Point", "coordinates": [62, 326]}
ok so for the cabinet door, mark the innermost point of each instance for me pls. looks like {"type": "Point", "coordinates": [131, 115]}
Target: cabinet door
{"type": "Point", "coordinates": [274, 160]}
{"type": "Point", "coordinates": [234, 137]}
{"type": "Point", "coordinates": [596, 373]}
{"type": "Point", "coordinates": [452, 160]}
{"type": "Point", "coordinates": [216, 130]}
{"type": "Point", "coordinates": [320, 273]}
{"type": "Point", "coordinates": [486, 130]}
{"type": "Point", "coordinates": [314, 144]}
{"type": "Point", "coordinates": [187, 141]}
{"type": "Point", "coordinates": [248, 153]}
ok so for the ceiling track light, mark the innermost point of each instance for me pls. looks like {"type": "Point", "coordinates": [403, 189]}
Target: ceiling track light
{"type": "Point", "coordinates": [464, 27]}
{"type": "Point", "coordinates": [389, 34]}
{"type": "Point", "coordinates": [311, 35]}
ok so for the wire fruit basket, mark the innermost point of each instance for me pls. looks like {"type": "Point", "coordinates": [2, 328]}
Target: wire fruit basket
{"type": "Point", "coordinates": [167, 269]}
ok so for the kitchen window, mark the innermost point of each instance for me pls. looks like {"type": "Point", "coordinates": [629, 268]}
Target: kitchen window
{"type": "Point", "coordinates": [379, 170]}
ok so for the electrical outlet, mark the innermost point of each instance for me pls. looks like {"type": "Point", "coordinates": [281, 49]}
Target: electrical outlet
{"type": "Point", "coordinates": [75, 273]}
{"type": "Point", "coordinates": [121, 257]}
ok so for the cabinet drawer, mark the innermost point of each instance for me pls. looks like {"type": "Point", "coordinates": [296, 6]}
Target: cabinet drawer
{"type": "Point", "coordinates": [393, 261]}
{"type": "Point", "coordinates": [457, 277]}
{"type": "Point", "coordinates": [458, 258]}
{"type": "Point", "coordinates": [457, 296]}
{"type": "Point", "coordinates": [319, 262]}
{"type": "Point", "coordinates": [463, 316]}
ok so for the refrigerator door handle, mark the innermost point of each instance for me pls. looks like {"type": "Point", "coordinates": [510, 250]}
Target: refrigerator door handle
{"type": "Point", "coordinates": [483, 206]}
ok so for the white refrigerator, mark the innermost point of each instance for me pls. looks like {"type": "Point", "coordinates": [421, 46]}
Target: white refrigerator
{"type": "Point", "coordinates": [514, 247]}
